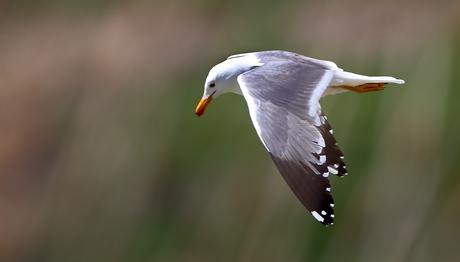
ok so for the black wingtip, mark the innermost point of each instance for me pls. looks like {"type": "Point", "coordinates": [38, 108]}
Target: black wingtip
{"type": "Point", "coordinates": [325, 218]}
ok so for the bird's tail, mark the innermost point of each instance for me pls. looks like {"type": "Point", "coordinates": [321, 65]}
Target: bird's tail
{"type": "Point", "coordinates": [351, 79]}
{"type": "Point", "coordinates": [362, 83]}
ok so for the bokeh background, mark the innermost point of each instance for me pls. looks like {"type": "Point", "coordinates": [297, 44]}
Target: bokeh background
{"type": "Point", "coordinates": [103, 159]}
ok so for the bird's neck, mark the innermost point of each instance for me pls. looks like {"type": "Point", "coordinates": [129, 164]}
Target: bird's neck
{"type": "Point", "coordinates": [232, 68]}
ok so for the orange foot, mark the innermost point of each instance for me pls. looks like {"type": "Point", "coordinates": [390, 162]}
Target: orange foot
{"type": "Point", "coordinates": [366, 87]}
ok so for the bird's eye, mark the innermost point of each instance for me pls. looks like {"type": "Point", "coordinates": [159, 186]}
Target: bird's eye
{"type": "Point", "coordinates": [212, 85]}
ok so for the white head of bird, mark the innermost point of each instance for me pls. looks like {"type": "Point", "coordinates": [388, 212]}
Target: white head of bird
{"type": "Point", "coordinates": [222, 78]}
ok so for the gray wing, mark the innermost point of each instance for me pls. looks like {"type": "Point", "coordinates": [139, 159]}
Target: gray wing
{"type": "Point", "coordinates": [283, 101]}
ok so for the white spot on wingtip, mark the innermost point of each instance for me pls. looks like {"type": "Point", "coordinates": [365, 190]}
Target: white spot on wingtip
{"type": "Point", "coordinates": [331, 131]}
{"type": "Point", "coordinates": [317, 216]}
{"type": "Point", "coordinates": [332, 170]}
{"type": "Point", "coordinates": [326, 174]}
{"type": "Point", "coordinates": [322, 159]}
{"type": "Point", "coordinates": [342, 157]}
{"type": "Point", "coordinates": [323, 213]}
{"type": "Point", "coordinates": [328, 189]}
{"type": "Point", "coordinates": [332, 215]}
{"type": "Point", "coordinates": [336, 165]}
{"type": "Point", "coordinates": [332, 205]}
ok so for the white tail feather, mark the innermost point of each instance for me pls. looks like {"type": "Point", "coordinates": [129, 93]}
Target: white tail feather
{"type": "Point", "coordinates": [342, 78]}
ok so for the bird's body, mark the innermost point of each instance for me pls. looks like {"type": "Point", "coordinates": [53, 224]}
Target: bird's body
{"type": "Point", "coordinates": [282, 90]}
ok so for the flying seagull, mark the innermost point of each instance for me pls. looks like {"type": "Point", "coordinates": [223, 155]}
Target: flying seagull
{"type": "Point", "coordinates": [282, 90]}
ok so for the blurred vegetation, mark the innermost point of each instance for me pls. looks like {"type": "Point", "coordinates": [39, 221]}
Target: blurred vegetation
{"type": "Point", "coordinates": [103, 159]}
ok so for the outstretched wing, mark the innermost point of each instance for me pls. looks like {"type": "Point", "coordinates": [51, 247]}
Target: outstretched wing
{"type": "Point", "coordinates": [283, 99]}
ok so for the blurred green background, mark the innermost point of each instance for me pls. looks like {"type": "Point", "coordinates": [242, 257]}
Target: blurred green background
{"type": "Point", "coordinates": [103, 159]}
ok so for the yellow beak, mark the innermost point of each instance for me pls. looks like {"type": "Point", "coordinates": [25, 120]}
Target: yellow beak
{"type": "Point", "coordinates": [199, 110]}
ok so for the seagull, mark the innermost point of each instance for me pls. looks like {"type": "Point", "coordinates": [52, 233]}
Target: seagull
{"type": "Point", "coordinates": [282, 90]}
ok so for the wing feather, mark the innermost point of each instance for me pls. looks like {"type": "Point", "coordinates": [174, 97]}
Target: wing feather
{"type": "Point", "coordinates": [280, 95]}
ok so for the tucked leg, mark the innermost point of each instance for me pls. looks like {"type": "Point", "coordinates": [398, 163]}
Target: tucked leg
{"type": "Point", "coordinates": [366, 87]}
